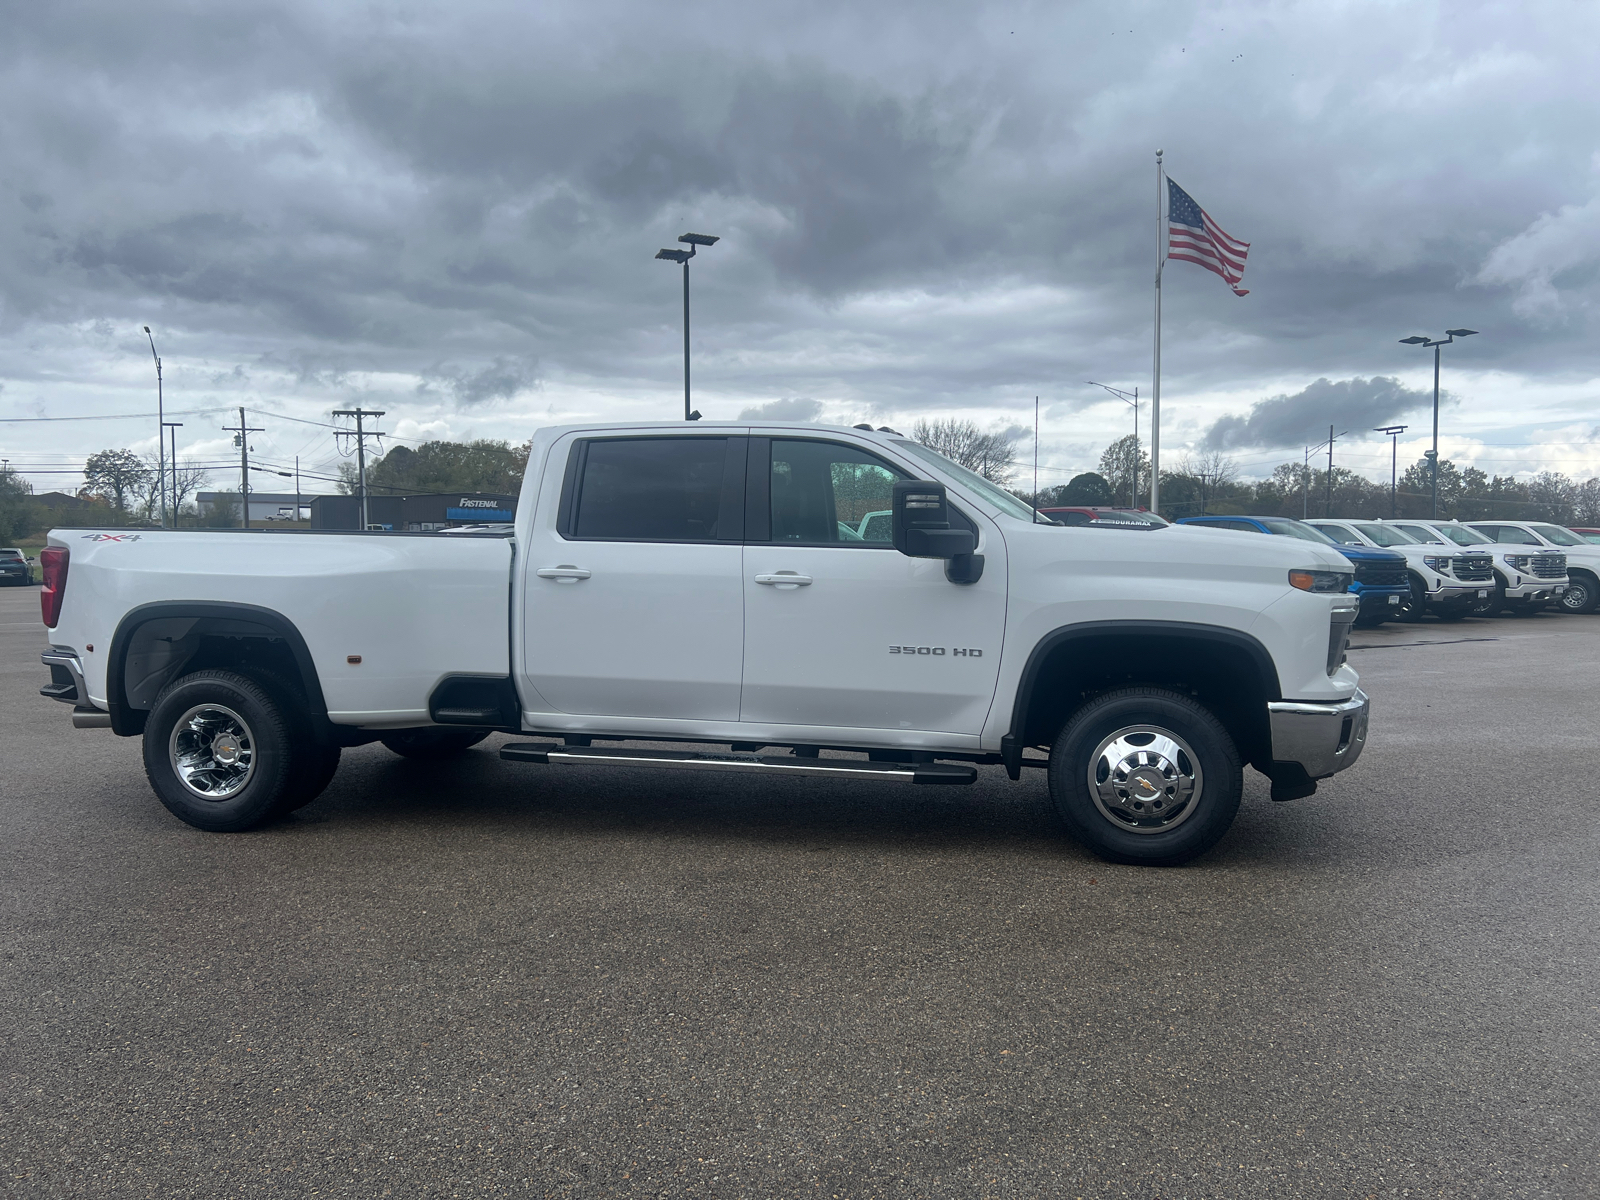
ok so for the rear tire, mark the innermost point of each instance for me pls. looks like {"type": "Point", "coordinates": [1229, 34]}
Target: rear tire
{"type": "Point", "coordinates": [1146, 776]}
{"type": "Point", "coordinates": [433, 742]}
{"type": "Point", "coordinates": [315, 763]}
{"type": "Point", "coordinates": [220, 751]}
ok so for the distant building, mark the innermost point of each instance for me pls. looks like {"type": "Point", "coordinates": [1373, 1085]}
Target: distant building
{"type": "Point", "coordinates": [264, 506]}
{"type": "Point", "coordinates": [60, 502]}
{"type": "Point", "coordinates": [412, 514]}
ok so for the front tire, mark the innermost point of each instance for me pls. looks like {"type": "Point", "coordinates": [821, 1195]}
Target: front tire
{"type": "Point", "coordinates": [1491, 605]}
{"type": "Point", "coordinates": [1580, 596]}
{"type": "Point", "coordinates": [1416, 603]}
{"type": "Point", "coordinates": [220, 751]}
{"type": "Point", "coordinates": [1146, 776]}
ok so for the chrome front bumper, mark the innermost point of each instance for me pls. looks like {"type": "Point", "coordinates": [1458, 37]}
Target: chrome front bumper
{"type": "Point", "coordinates": [1322, 738]}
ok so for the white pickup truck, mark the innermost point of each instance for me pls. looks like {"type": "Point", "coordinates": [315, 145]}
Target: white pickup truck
{"type": "Point", "coordinates": [686, 585]}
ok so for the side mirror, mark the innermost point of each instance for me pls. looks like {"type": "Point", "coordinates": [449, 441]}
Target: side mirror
{"type": "Point", "coordinates": [920, 528]}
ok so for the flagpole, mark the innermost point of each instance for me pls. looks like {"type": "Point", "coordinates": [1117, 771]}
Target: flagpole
{"type": "Point", "coordinates": [1155, 394]}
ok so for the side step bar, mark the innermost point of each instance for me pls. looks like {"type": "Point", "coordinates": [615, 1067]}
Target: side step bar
{"type": "Point", "coordinates": [923, 773]}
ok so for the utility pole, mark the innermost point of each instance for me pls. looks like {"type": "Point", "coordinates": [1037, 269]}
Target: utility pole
{"type": "Point", "coordinates": [361, 435]}
{"type": "Point", "coordinates": [241, 438]}
{"type": "Point", "coordinates": [161, 441]}
{"type": "Point", "coordinates": [174, 426]}
{"type": "Point", "coordinates": [1129, 398]}
{"type": "Point", "coordinates": [1329, 504]}
{"type": "Point", "coordinates": [1393, 433]}
{"type": "Point", "coordinates": [297, 489]}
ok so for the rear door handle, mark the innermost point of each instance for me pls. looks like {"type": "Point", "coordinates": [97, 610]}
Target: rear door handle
{"type": "Point", "coordinates": [566, 573]}
{"type": "Point", "coordinates": [785, 579]}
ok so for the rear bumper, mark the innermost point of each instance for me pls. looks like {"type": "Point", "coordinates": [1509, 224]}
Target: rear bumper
{"type": "Point", "coordinates": [1323, 739]}
{"type": "Point", "coordinates": [66, 677]}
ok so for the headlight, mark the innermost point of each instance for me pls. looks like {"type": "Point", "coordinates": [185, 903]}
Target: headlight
{"type": "Point", "coordinates": [1437, 564]}
{"type": "Point", "coordinates": [1519, 561]}
{"type": "Point", "coordinates": [1320, 581]}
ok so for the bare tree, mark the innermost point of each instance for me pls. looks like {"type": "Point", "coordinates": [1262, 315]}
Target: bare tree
{"type": "Point", "coordinates": [990, 453]}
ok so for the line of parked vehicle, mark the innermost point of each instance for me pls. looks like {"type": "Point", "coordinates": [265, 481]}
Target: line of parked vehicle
{"type": "Point", "coordinates": [1402, 569]}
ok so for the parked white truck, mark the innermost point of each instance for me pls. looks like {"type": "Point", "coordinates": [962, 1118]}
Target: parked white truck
{"type": "Point", "coordinates": [712, 583]}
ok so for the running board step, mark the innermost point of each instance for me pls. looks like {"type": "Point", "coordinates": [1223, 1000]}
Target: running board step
{"type": "Point", "coordinates": [923, 773]}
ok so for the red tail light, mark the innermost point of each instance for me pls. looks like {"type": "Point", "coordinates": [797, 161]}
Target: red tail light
{"type": "Point", "coordinates": [53, 561]}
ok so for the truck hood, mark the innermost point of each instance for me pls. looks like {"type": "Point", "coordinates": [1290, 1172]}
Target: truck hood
{"type": "Point", "coordinates": [1183, 550]}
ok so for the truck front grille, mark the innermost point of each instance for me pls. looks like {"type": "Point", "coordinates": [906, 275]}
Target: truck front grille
{"type": "Point", "coordinates": [1371, 575]}
{"type": "Point", "coordinates": [1548, 566]}
{"type": "Point", "coordinates": [1473, 568]}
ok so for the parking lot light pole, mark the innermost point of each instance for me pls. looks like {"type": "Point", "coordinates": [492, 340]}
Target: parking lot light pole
{"type": "Point", "coordinates": [1432, 456]}
{"type": "Point", "coordinates": [1133, 399]}
{"type": "Point", "coordinates": [1393, 432]}
{"type": "Point", "coordinates": [694, 242]}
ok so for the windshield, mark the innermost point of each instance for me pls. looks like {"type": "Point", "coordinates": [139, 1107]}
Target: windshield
{"type": "Point", "coordinates": [1305, 533]}
{"type": "Point", "coordinates": [997, 496]}
{"type": "Point", "coordinates": [1464, 537]}
{"type": "Point", "coordinates": [1339, 534]}
{"type": "Point", "coordinates": [1561, 537]}
{"type": "Point", "coordinates": [1592, 537]}
{"type": "Point", "coordinates": [1423, 534]}
{"type": "Point", "coordinates": [1386, 535]}
{"type": "Point", "coordinates": [10, 554]}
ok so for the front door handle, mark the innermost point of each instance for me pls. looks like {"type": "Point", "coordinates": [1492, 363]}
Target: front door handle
{"type": "Point", "coordinates": [565, 573]}
{"type": "Point", "coordinates": [785, 579]}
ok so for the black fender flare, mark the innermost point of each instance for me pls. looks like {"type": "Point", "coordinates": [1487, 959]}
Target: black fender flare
{"type": "Point", "coordinates": [129, 721]}
{"type": "Point", "coordinates": [1012, 744]}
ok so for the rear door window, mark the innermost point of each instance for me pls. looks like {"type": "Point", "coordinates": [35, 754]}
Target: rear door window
{"type": "Point", "coordinates": [655, 489]}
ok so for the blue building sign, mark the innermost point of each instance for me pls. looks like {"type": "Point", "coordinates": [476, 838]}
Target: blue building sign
{"type": "Point", "coordinates": [479, 514]}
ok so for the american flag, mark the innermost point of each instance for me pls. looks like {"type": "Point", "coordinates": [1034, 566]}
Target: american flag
{"type": "Point", "coordinates": [1194, 237]}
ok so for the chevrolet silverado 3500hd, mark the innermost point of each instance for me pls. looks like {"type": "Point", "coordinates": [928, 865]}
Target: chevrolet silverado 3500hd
{"type": "Point", "coordinates": [712, 584]}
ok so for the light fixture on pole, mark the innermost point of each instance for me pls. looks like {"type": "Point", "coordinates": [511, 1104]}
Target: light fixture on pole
{"type": "Point", "coordinates": [1393, 433]}
{"type": "Point", "coordinates": [1432, 456]}
{"type": "Point", "coordinates": [1133, 399]}
{"type": "Point", "coordinates": [161, 442]}
{"type": "Point", "coordinates": [174, 426]}
{"type": "Point", "coordinates": [694, 241]}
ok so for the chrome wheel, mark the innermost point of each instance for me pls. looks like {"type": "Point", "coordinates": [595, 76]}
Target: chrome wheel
{"type": "Point", "coordinates": [1145, 779]}
{"type": "Point", "coordinates": [212, 751]}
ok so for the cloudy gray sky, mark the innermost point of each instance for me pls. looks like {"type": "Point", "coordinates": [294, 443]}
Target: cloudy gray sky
{"type": "Point", "coordinates": [449, 211]}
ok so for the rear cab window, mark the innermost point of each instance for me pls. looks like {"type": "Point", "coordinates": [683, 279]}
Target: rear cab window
{"type": "Point", "coordinates": [654, 488]}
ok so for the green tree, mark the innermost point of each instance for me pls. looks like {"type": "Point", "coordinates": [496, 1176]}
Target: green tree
{"type": "Point", "coordinates": [19, 516]}
{"type": "Point", "coordinates": [484, 465]}
{"type": "Point", "coordinates": [1089, 488]}
{"type": "Point", "coordinates": [1126, 467]}
{"type": "Point", "coordinates": [118, 476]}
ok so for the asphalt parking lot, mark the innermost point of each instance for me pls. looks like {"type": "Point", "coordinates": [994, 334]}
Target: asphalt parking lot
{"type": "Point", "coordinates": [490, 978]}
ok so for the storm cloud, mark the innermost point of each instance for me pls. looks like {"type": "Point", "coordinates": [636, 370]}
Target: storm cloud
{"type": "Point", "coordinates": [1351, 405]}
{"type": "Point", "coordinates": [925, 209]}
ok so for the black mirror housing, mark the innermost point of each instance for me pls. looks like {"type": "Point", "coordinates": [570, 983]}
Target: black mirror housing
{"type": "Point", "coordinates": [920, 528]}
